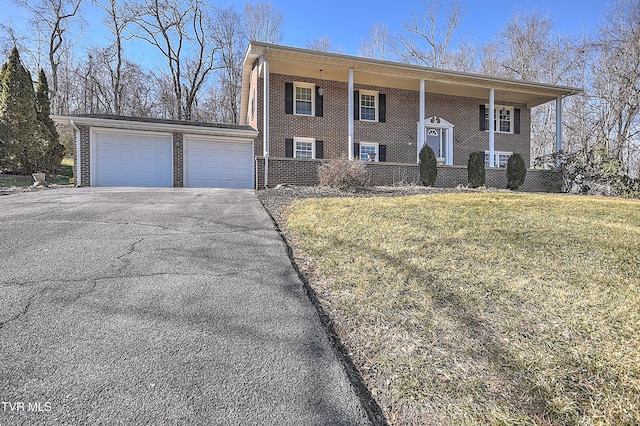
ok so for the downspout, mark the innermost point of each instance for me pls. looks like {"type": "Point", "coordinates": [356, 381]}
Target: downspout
{"type": "Point", "coordinates": [265, 124]}
{"type": "Point", "coordinates": [78, 162]}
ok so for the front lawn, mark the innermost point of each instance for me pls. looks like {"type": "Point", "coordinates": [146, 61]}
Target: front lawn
{"type": "Point", "coordinates": [483, 308]}
{"type": "Point", "coordinates": [61, 178]}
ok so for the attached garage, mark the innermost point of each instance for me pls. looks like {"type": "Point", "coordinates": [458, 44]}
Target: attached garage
{"type": "Point", "coordinates": [127, 158]}
{"type": "Point", "coordinates": [217, 163]}
{"type": "Point", "coordinates": [130, 151]}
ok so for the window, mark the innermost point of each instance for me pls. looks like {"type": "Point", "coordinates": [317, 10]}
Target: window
{"type": "Point", "coordinates": [499, 158]}
{"type": "Point", "coordinates": [503, 116]}
{"type": "Point", "coordinates": [367, 148]}
{"type": "Point", "coordinates": [304, 148]}
{"type": "Point", "coordinates": [368, 105]}
{"type": "Point", "coordinates": [304, 98]}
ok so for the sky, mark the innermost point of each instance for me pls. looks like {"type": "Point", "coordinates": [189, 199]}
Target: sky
{"type": "Point", "coordinates": [346, 22]}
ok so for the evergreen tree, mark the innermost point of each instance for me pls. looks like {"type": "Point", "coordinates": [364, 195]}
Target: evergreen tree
{"type": "Point", "coordinates": [476, 174]}
{"type": "Point", "coordinates": [516, 171]}
{"type": "Point", "coordinates": [428, 166]}
{"type": "Point", "coordinates": [22, 148]}
{"type": "Point", "coordinates": [53, 150]}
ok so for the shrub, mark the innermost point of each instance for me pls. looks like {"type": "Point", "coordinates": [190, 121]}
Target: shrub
{"type": "Point", "coordinates": [428, 166]}
{"type": "Point", "coordinates": [475, 170]}
{"type": "Point", "coordinates": [344, 174]}
{"type": "Point", "coordinates": [593, 172]}
{"type": "Point", "coordinates": [516, 172]}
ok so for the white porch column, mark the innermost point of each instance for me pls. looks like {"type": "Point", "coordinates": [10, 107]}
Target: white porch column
{"type": "Point", "coordinates": [421, 126]}
{"type": "Point", "coordinates": [558, 124]}
{"type": "Point", "coordinates": [492, 120]}
{"type": "Point", "coordinates": [265, 124]}
{"type": "Point", "coordinates": [351, 107]}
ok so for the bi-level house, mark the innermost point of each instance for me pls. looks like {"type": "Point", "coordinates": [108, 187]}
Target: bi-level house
{"type": "Point", "coordinates": [309, 105]}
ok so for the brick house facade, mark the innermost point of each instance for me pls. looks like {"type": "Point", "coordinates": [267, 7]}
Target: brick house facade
{"type": "Point", "coordinates": [317, 101]}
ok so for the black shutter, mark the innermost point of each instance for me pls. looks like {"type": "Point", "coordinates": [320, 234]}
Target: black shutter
{"type": "Point", "coordinates": [288, 148]}
{"type": "Point", "coordinates": [516, 121]}
{"type": "Point", "coordinates": [382, 110]}
{"type": "Point", "coordinates": [319, 149]}
{"type": "Point", "coordinates": [482, 155]}
{"type": "Point", "coordinates": [288, 98]}
{"type": "Point", "coordinates": [483, 112]}
{"type": "Point", "coordinates": [382, 153]}
{"type": "Point", "coordinates": [356, 150]}
{"type": "Point", "coordinates": [356, 105]}
{"type": "Point", "coordinates": [319, 103]}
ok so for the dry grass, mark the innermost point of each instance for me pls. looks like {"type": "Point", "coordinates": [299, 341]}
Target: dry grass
{"type": "Point", "coordinates": [483, 308]}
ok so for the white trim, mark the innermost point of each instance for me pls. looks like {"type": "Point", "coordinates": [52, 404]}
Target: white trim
{"type": "Point", "coordinates": [434, 122]}
{"type": "Point", "coordinates": [165, 136]}
{"type": "Point", "coordinates": [376, 145]}
{"type": "Point", "coordinates": [187, 138]}
{"type": "Point", "coordinates": [311, 86]}
{"type": "Point", "coordinates": [496, 113]}
{"type": "Point", "coordinates": [558, 124]}
{"type": "Point", "coordinates": [376, 106]}
{"type": "Point", "coordinates": [113, 123]}
{"type": "Point", "coordinates": [421, 123]}
{"type": "Point", "coordinates": [313, 146]}
{"type": "Point", "coordinates": [492, 118]}
{"type": "Point", "coordinates": [350, 114]}
{"type": "Point", "coordinates": [496, 158]}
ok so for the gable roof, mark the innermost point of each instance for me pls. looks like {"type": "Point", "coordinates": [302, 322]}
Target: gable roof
{"type": "Point", "coordinates": [333, 66]}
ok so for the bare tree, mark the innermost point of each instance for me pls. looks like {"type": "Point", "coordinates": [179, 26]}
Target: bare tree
{"type": "Point", "coordinates": [377, 43]}
{"type": "Point", "coordinates": [261, 22]}
{"type": "Point", "coordinates": [616, 84]}
{"type": "Point", "coordinates": [55, 16]}
{"type": "Point", "coordinates": [228, 36]}
{"type": "Point", "coordinates": [117, 20]}
{"type": "Point", "coordinates": [323, 44]}
{"type": "Point", "coordinates": [182, 33]}
{"type": "Point", "coordinates": [425, 40]}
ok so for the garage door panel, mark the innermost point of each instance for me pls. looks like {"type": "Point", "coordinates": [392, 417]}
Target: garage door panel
{"type": "Point", "coordinates": [136, 159]}
{"type": "Point", "coordinates": [218, 164]}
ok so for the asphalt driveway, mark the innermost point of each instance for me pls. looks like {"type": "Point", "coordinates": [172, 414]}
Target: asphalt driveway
{"type": "Point", "coordinates": [158, 306]}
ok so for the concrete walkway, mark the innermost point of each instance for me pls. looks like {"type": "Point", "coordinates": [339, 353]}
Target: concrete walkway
{"type": "Point", "coordinates": [158, 306]}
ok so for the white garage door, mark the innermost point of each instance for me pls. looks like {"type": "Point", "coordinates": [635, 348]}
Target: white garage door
{"type": "Point", "coordinates": [218, 164]}
{"type": "Point", "coordinates": [132, 159]}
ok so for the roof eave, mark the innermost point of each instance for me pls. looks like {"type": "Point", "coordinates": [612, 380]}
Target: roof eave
{"type": "Point", "coordinates": [154, 126]}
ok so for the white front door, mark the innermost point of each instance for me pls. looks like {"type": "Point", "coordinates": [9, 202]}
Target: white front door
{"type": "Point", "coordinates": [438, 134]}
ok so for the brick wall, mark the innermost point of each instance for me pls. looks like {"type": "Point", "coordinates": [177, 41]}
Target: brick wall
{"type": "Point", "coordinates": [178, 160]}
{"type": "Point", "coordinates": [398, 133]}
{"type": "Point", "coordinates": [85, 160]}
{"type": "Point", "coordinates": [305, 173]}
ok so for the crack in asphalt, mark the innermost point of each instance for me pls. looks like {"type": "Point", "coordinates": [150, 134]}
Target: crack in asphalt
{"type": "Point", "coordinates": [127, 262]}
{"type": "Point", "coordinates": [21, 313]}
{"type": "Point", "coordinates": [94, 281]}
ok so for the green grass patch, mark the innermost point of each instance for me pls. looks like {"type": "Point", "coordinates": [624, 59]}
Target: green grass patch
{"type": "Point", "coordinates": [62, 178]}
{"type": "Point", "coordinates": [484, 308]}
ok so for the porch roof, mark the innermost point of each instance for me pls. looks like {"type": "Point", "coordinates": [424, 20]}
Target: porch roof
{"type": "Point", "coordinates": [332, 66]}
